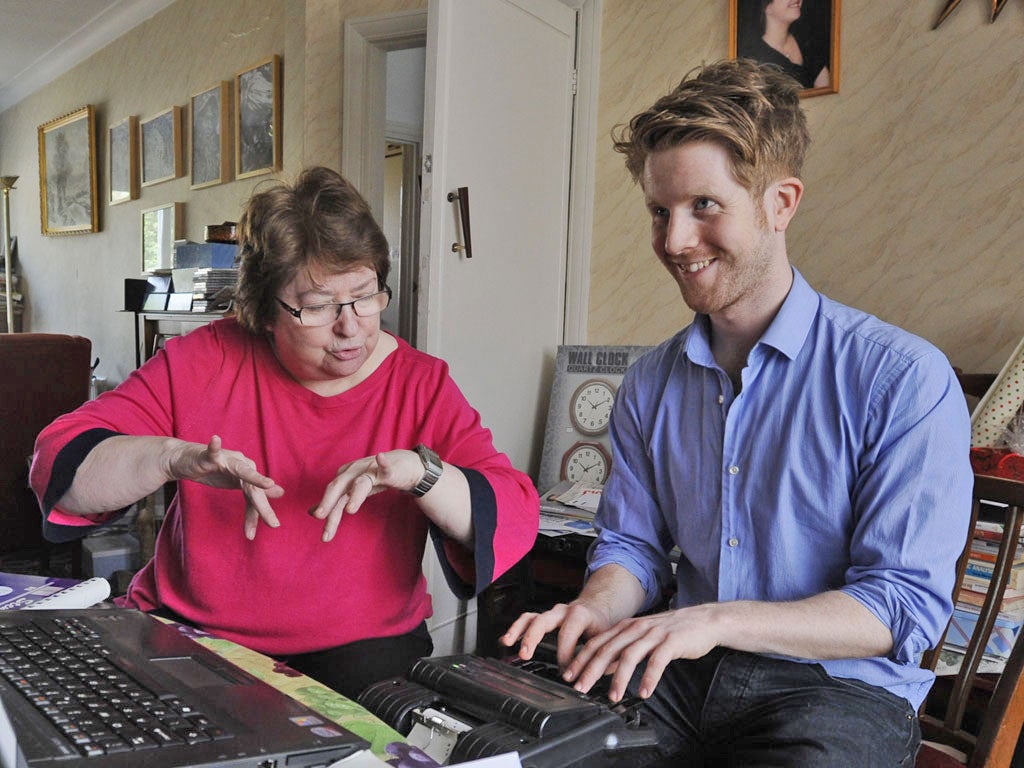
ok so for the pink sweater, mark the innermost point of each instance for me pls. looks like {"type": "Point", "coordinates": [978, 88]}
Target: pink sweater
{"type": "Point", "coordinates": [287, 591]}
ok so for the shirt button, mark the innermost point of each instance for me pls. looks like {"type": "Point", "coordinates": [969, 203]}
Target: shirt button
{"type": "Point", "coordinates": [734, 470]}
{"type": "Point", "coordinates": [721, 399]}
{"type": "Point", "coordinates": [734, 542]}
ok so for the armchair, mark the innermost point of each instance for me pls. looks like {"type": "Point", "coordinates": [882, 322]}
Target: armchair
{"type": "Point", "coordinates": [42, 375]}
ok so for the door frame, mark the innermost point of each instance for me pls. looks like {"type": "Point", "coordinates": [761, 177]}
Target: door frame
{"type": "Point", "coordinates": [366, 43]}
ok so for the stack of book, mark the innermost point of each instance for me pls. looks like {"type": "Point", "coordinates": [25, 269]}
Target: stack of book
{"type": "Point", "coordinates": [213, 289]}
{"type": "Point", "coordinates": [977, 578]}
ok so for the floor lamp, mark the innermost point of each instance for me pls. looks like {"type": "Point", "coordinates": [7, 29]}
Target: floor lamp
{"type": "Point", "coordinates": [6, 185]}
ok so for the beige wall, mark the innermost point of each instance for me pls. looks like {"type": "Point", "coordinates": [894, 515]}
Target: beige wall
{"type": "Point", "coordinates": [75, 284]}
{"type": "Point", "coordinates": [914, 184]}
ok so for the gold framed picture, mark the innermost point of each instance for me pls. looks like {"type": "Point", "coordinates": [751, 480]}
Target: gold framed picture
{"type": "Point", "coordinates": [123, 157]}
{"type": "Point", "coordinates": [801, 39]}
{"type": "Point", "coordinates": [160, 147]}
{"type": "Point", "coordinates": [209, 136]}
{"type": "Point", "coordinates": [258, 118]}
{"type": "Point", "coordinates": [67, 174]}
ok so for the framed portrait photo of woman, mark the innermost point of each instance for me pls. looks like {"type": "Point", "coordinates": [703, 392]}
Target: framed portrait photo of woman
{"type": "Point", "coordinates": [800, 37]}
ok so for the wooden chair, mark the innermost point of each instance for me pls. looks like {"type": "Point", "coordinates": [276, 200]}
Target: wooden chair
{"type": "Point", "coordinates": [974, 719]}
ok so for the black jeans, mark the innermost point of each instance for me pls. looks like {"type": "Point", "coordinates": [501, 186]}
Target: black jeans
{"type": "Point", "coordinates": [740, 709]}
{"type": "Point", "coordinates": [349, 669]}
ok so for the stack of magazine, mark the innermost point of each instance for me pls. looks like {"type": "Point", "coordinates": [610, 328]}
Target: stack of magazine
{"type": "Point", "coordinates": [569, 499]}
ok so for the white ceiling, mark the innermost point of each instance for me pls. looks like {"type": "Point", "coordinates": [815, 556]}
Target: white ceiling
{"type": "Point", "coordinates": [42, 39]}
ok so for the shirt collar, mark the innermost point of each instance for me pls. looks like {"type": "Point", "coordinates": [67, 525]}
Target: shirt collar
{"type": "Point", "coordinates": [786, 333]}
{"type": "Point", "coordinates": [791, 325]}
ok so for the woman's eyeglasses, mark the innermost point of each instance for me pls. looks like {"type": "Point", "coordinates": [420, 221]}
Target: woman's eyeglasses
{"type": "Point", "coordinates": [316, 315]}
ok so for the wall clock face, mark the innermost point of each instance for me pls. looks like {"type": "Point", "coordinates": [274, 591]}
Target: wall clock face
{"type": "Point", "coordinates": [591, 406]}
{"type": "Point", "coordinates": [586, 463]}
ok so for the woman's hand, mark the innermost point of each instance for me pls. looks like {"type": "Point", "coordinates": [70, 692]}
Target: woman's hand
{"type": "Point", "coordinates": [360, 479]}
{"type": "Point", "coordinates": [217, 467]}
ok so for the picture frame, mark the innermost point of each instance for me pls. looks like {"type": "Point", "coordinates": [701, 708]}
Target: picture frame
{"type": "Point", "coordinates": [812, 27]}
{"type": "Point", "coordinates": [123, 158]}
{"type": "Point", "coordinates": [209, 136]}
{"type": "Point", "coordinates": [160, 155]}
{"type": "Point", "coordinates": [68, 185]}
{"type": "Point", "coordinates": [258, 118]}
{"type": "Point", "coordinates": [154, 302]}
{"type": "Point", "coordinates": [161, 226]}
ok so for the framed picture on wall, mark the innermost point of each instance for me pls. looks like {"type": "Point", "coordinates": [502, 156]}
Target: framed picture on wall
{"type": "Point", "coordinates": [802, 39]}
{"type": "Point", "coordinates": [160, 147]}
{"type": "Point", "coordinates": [67, 174]}
{"type": "Point", "coordinates": [258, 118]}
{"type": "Point", "coordinates": [209, 136]}
{"type": "Point", "coordinates": [123, 156]}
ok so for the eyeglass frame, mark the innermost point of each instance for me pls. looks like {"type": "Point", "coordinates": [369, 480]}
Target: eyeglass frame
{"type": "Point", "coordinates": [297, 313]}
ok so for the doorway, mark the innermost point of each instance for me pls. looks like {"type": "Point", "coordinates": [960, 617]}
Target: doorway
{"type": "Point", "coordinates": [400, 214]}
{"type": "Point", "coordinates": [367, 43]}
{"type": "Point", "coordinates": [382, 136]}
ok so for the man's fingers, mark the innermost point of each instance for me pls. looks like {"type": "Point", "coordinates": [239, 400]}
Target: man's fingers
{"type": "Point", "coordinates": [515, 630]}
{"type": "Point", "coordinates": [529, 629]}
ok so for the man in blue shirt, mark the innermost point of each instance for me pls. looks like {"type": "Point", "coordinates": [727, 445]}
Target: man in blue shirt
{"type": "Point", "coordinates": [809, 461]}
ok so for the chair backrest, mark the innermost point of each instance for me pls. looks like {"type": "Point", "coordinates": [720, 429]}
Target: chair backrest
{"type": "Point", "coordinates": [42, 375]}
{"type": "Point", "coordinates": [979, 713]}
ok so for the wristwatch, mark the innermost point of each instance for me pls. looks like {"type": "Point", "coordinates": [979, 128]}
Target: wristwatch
{"type": "Point", "coordinates": [432, 468]}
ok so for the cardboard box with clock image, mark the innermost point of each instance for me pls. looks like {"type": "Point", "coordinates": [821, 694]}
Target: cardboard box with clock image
{"type": "Point", "coordinates": [576, 445]}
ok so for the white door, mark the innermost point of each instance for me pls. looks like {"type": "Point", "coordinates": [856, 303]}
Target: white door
{"type": "Point", "coordinates": [498, 121]}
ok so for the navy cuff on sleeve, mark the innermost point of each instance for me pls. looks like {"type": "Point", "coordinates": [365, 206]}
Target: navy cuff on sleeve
{"type": "Point", "coordinates": [484, 509]}
{"type": "Point", "coordinates": [62, 475]}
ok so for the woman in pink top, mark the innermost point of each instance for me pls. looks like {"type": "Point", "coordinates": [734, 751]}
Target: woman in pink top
{"type": "Point", "coordinates": [313, 454]}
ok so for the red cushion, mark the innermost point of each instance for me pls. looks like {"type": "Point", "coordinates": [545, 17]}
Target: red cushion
{"type": "Point", "coordinates": [930, 757]}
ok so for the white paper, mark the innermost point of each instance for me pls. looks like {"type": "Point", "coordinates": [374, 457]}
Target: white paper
{"type": "Point", "coordinates": [582, 496]}
{"type": "Point", "coordinates": [508, 760]}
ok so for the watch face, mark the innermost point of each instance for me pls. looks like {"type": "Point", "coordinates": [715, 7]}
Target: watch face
{"type": "Point", "coordinates": [585, 463]}
{"type": "Point", "coordinates": [591, 406]}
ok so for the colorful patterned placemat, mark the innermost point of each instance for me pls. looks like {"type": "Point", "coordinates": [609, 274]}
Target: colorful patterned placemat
{"type": "Point", "coordinates": [316, 696]}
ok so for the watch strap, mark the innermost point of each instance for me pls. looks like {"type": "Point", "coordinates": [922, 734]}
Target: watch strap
{"type": "Point", "coordinates": [432, 468]}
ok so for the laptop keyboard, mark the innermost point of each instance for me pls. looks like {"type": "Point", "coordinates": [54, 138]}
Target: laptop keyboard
{"type": "Point", "coordinates": [61, 666]}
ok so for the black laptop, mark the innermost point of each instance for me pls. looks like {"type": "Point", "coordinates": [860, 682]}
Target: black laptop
{"type": "Point", "coordinates": [109, 687]}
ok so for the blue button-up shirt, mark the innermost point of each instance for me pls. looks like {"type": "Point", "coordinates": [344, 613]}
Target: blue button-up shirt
{"type": "Point", "coordinates": [843, 464]}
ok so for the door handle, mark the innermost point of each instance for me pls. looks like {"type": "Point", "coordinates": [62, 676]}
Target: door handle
{"type": "Point", "coordinates": [462, 195]}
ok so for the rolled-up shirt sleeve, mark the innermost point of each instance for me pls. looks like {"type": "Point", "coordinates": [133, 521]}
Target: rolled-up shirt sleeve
{"type": "Point", "coordinates": [910, 505]}
{"type": "Point", "coordinates": [631, 528]}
